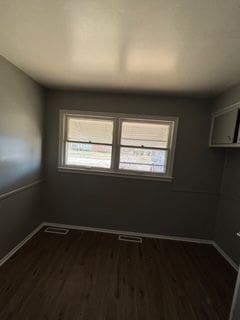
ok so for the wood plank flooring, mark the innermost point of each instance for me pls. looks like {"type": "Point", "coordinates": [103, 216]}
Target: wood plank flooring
{"type": "Point", "coordinates": [88, 276]}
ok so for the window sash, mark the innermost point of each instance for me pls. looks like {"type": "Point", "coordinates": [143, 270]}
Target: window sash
{"type": "Point", "coordinates": [86, 117]}
{"type": "Point", "coordinates": [116, 145]}
{"type": "Point", "coordinates": [66, 140]}
{"type": "Point", "coordinates": [167, 149]}
{"type": "Point", "coordinates": [150, 121]}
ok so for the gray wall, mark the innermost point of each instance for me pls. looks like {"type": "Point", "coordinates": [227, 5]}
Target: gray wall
{"type": "Point", "coordinates": [184, 207]}
{"type": "Point", "coordinates": [21, 120]}
{"type": "Point", "coordinates": [228, 218]}
{"type": "Point", "coordinates": [235, 312]}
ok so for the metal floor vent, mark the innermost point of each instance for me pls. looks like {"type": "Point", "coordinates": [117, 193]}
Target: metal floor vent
{"type": "Point", "coordinates": [130, 238]}
{"type": "Point", "coordinates": [56, 230]}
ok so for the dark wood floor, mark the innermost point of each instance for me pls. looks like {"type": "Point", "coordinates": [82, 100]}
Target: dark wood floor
{"type": "Point", "coordinates": [88, 275]}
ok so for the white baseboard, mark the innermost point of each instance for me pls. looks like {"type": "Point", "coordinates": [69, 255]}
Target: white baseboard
{"type": "Point", "coordinates": [128, 233]}
{"type": "Point", "coordinates": [226, 257]}
{"type": "Point", "coordinates": [20, 244]}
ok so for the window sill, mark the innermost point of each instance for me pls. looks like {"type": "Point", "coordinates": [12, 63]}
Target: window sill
{"type": "Point", "coordinates": [115, 174]}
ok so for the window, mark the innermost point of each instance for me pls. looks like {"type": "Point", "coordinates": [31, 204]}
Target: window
{"type": "Point", "coordinates": [88, 142]}
{"type": "Point", "coordinates": [144, 146]}
{"type": "Point", "coordinates": [117, 144]}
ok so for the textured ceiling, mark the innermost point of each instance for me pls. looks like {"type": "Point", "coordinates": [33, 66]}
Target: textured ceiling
{"type": "Point", "coordinates": [173, 46]}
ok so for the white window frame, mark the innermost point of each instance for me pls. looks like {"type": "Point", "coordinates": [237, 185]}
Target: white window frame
{"type": "Point", "coordinates": [117, 119]}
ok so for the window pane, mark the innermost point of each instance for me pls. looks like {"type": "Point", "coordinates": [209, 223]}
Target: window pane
{"type": "Point", "coordinates": [145, 134]}
{"type": "Point", "coordinates": [88, 155]}
{"type": "Point", "coordinates": [87, 129]}
{"type": "Point", "coordinates": [140, 159]}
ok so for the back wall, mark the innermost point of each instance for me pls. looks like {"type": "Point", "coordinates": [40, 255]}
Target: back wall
{"type": "Point", "coordinates": [186, 206]}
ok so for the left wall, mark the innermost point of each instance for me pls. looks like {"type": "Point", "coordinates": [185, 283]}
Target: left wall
{"type": "Point", "coordinates": [21, 131]}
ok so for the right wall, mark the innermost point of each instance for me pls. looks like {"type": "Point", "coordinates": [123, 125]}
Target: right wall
{"type": "Point", "coordinates": [228, 218]}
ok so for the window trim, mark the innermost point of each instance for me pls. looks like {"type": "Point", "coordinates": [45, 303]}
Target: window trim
{"type": "Point", "coordinates": [117, 118]}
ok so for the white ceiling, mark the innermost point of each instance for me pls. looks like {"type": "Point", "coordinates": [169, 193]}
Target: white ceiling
{"type": "Point", "coordinates": [187, 46]}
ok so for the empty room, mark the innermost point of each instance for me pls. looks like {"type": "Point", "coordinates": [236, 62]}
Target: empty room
{"type": "Point", "coordinates": [119, 160]}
